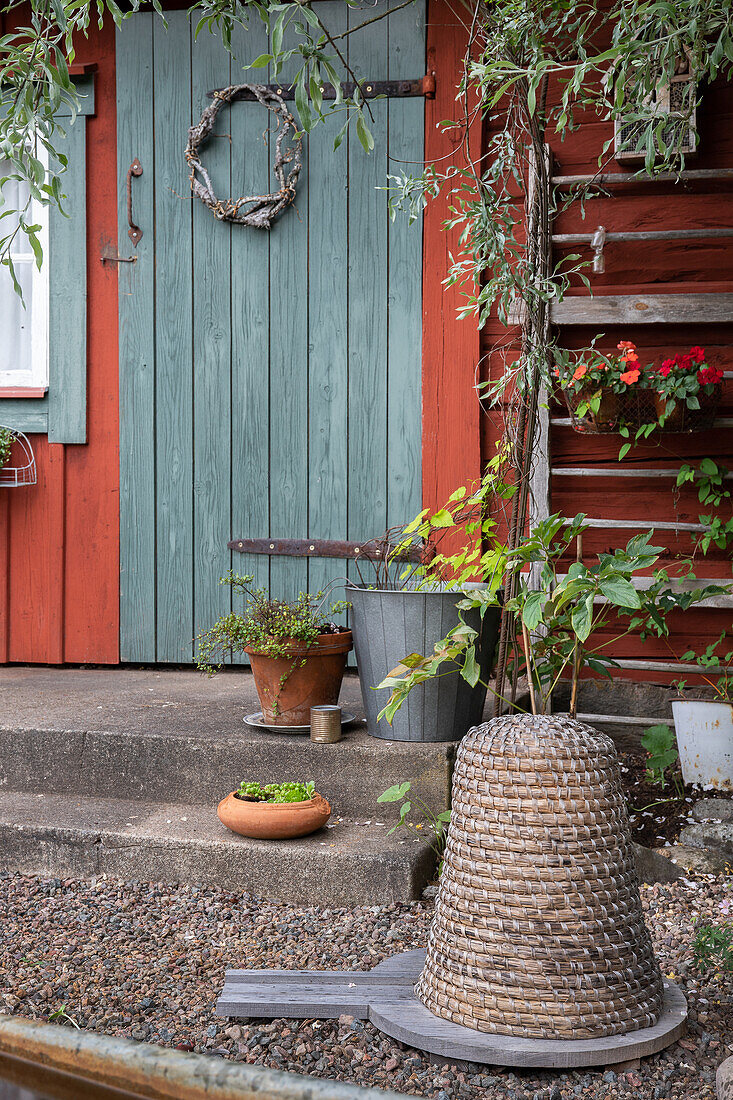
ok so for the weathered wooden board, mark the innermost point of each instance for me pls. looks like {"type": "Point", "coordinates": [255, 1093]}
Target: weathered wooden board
{"type": "Point", "coordinates": [644, 309]}
{"type": "Point", "coordinates": [135, 138]}
{"type": "Point", "coordinates": [173, 353]}
{"type": "Point", "coordinates": [385, 995]}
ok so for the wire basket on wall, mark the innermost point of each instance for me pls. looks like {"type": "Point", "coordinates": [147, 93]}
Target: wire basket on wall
{"type": "Point", "coordinates": [12, 477]}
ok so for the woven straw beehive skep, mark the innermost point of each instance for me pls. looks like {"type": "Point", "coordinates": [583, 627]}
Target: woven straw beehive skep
{"type": "Point", "coordinates": [538, 928]}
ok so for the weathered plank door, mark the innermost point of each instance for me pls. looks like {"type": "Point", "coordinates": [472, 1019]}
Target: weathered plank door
{"type": "Point", "coordinates": [269, 382]}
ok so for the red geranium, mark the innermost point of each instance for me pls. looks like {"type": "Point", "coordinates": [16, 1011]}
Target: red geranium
{"type": "Point", "coordinates": [709, 375]}
{"type": "Point", "coordinates": [698, 354]}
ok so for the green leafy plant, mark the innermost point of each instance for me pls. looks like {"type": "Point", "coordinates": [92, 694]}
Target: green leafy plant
{"type": "Point", "coordinates": [61, 1016]}
{"type": "Point", "coordinates": [661, 748]}
{"type": "Point", "coordinates": [712, 947]}
{"type": "Point", "coordinates": [562, 610]}
{"type": "Point", "coordinates": [267, 626]}
{"type": "Point", "coordinates": [6, 442]}
{"type": "Point", "coordinates": [709, 479]}
{"type": "Point", "coordinates": [430, 825]}
{"type": "Point", "coordinates": [716, 668]}
{"type": "Point", "coordinates": [276, 792]}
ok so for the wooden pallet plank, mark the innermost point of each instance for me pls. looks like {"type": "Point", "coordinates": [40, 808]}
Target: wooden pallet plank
{"type": "Point", "coordinates": [644, 309]}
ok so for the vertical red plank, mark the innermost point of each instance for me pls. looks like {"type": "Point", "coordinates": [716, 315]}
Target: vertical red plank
{"type": "Point", "coordinates": [59, 539]}
{"type": "Point", "coordinates": [4, 574]}
{"type": "Point", "coordinates": [451, 350]}
{"type": "Point", "coordinates": [92, 510]}
{"type": "Point", "coordinates": [37, 560]}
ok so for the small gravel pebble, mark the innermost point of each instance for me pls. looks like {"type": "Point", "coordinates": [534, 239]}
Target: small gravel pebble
{"type": "Point", "coordinates": [147, 961]}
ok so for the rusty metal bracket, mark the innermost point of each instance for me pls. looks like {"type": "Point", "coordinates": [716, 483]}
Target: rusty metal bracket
{"type": "Point", "coordinates": [134, 232]}
{"type": "Point", "coordinates": [110, 255]}
{"type": "Point", "coordinates": [370, 89]}
{"type": "Point", "coordinates": [372, 549]}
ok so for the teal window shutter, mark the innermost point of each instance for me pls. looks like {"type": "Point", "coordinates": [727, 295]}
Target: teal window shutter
{"type": "Point", "coordinates": [67, 276]}
{"type": "Point", "coordinates": [62, 413]}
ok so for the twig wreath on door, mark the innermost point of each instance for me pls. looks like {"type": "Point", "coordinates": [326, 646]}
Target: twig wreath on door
{"type": "Point", "coordinates": [259, 211]}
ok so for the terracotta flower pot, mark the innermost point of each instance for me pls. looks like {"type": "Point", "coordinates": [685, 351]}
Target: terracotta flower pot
{"type": "Point", "coordinates": [308, 676]}
{"type": "Point", "coordinates": [683, 419]}
{"type": "Point", "coordinates": [605, 420]}
{"type": "Point", "coordinates": [273, 820]}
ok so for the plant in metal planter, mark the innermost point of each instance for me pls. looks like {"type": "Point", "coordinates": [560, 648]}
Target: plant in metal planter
{"type": "Point", "coordinates": [704, 727]}
{"type": "Point", "coordinates": [411, 605]}
{"type": "Point", "coordinates": [298, 656]}
{"type": "Point", "coordinates": [6, 443]}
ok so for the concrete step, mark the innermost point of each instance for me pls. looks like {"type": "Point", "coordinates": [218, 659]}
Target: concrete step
{"type": "Point", "coordinates": [175, 736]}
{"type": "Point", "coordinates": [347, 863]}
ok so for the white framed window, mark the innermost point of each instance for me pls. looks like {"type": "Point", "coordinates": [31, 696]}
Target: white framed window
{"type": "Point", "coordinates": [23, 324]}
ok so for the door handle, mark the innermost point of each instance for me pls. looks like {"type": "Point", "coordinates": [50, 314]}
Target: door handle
{"type": "Point", "coordinates": [134, 232]}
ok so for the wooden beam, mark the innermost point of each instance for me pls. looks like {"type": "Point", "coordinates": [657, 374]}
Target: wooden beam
{"type": "Point", "coordinates": [638, 524]}
{"type": "Point", "coordinates": [616, 178]}
{"type": "Point", "coordinates": [644, 309]}
{"type": "Point", "coordinates": [566, 422]}
{"type": "Point", "coordinates": [633, 471]}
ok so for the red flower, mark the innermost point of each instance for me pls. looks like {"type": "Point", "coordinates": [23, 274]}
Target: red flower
{"type": "Point", "coordinates": [666, 367]}
{"type": "Point", "coordinates": [698, 354]}
{"type": "Point", "coordinates": [685, 363]}
{"type": "Point", "coordinates": [630, 376]}
{"type": "Point", "coordinates": [630, 357]}
{"type": "Point", "coordinates": [626, 345]}
{"type": "Point", "coordinates": [708, 375]}
{"type": "Point", "coordinates": [580, 372]}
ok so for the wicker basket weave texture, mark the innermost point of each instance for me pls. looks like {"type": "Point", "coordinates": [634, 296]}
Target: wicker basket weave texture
{"type": "Point", "coordinates": [538, 929]}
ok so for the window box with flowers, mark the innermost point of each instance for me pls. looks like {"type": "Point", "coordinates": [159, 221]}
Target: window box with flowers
{"type": "Point", "coordinates": [600, 390]}
{"type": "Point", "coordinates": [615, 393]}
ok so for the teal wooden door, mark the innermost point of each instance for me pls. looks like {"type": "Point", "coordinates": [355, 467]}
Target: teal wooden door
{"type": "Point", "coordinates": [270, 383]}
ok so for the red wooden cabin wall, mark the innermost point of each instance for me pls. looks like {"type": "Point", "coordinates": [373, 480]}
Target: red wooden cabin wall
{"type": "Point", "coordinates": [651, 267]}
{"type": "Point", "coordinates": [451, 347]}
{"type": "Point", "coordinates": [59, 539]}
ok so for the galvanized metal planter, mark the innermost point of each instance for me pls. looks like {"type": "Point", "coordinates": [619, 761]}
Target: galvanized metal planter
{"type": "Point", "coordinates": [387, 625]}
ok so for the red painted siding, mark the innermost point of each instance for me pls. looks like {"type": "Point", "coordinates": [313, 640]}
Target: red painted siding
{"type": "Point", "coordinates": [59, 540]}
{"type": "Point", "coordinates": [451, 347]}
{"type": "Point", "coordinates": [654, 267]}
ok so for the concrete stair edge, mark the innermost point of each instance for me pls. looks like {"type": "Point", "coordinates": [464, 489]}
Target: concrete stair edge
{"type": "Point", "coordinates": [185, 767]}
{"type": "Point", "coordinates": [349, 864]}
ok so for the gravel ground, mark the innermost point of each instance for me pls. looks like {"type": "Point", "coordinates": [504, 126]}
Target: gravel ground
{"type": "Point", "coordinates": [147, 961]}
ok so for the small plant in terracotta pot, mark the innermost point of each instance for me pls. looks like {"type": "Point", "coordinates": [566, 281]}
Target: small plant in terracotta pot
{"type": "Point", "coordinates": [277, 811]}
{"type": "Point", "coordinates": [297, 654]}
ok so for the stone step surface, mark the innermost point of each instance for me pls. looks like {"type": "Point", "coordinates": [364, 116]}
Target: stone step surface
{"type": "Point", "coordinates": [348, 863]}
{"type": "Point", "coordinates": [713, 809]}
{"type": "Point", "coordinates": [174, 736]}
{"type": "Point", "coordinates": [715, 835]}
